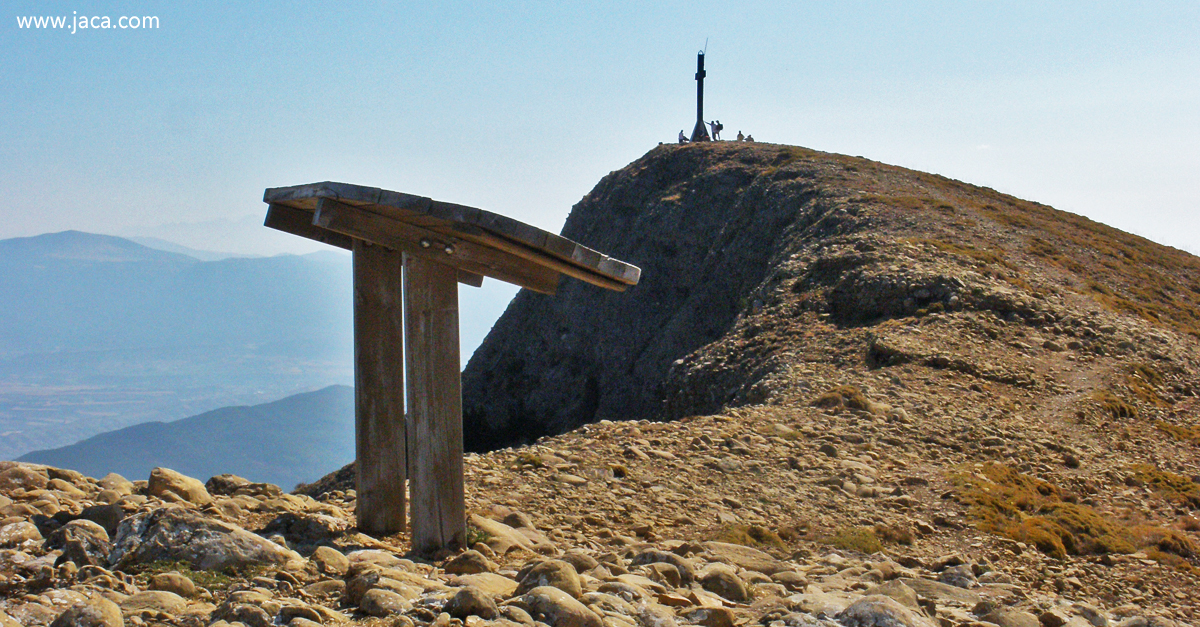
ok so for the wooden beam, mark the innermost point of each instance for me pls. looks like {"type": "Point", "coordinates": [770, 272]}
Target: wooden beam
{"type": "Point", "coordinates": [434, 406]}
{"type": "Point", "coordinates": [470, 278]}
{"type": "Point", "coordinates": [417, 241]}
{"type": "Point", "coordinates": [299, 222]}
{"type": "Point", "coordinates": [442, 216]}
{"type": "Point", "coordinates": [547, 261]}
{"type": "Point", "coordinates": [379, 433]}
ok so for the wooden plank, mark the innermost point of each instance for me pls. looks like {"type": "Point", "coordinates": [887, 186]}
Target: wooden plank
{"type": "Point", "coordinates": [542, 259]}
{"type": "Point", "coordinates": [299, 222]}
{"type": "Point", "coordinates": [434, 406]}
{"type": "Point", "coordinates": [379, 423]}
{"type": "Point", "coordinates": [623, 272]}
{"type": "Point", "coordinates": [443, 216]}
{"type": "Point", "coordinates": [354, 194]}
{"type": "Point", "coordinates": [420, 242]}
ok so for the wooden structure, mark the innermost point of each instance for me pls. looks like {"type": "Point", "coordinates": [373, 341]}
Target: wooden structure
{"type": "Point", "coordinates": [410, 252]}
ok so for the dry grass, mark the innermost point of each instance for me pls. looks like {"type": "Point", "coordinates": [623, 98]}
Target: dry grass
{"type": "Point", "coordinates": [860, 539]}
{"type": "Point", "coordinates": [892, 534]}
{"type": "Point", "coordinates": [1182, 433]}
{"type": "Point", "coordinates": [214, 580]}
{"type": "Point", "coordinates": [747, 535]}
{"type": "Point", "coordinates": [1143, 382]}
{"type": "Point", "coordinates": [1008, 503]}
{"type": "Point", "coordinates": [1123, 272]}
{"type": "Point", "coordinates": [1114, 405]}
{"type": "Point", "coordinates": [846, 396]}
{"type": "Point", "coordinates": [1173, 487]}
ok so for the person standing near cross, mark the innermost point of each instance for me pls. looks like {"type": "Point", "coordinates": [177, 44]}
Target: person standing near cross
{"type": "Point", "coordinates": [716, 127]}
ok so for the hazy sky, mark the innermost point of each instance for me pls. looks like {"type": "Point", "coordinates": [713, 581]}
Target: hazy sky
{"type": "Point", "coordinates": [521, 107]}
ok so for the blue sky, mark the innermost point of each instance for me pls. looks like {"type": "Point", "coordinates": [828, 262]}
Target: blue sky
{"type": "Point", "coordinates": [521, 107]}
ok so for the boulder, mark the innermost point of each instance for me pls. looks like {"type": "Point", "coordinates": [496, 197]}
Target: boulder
{"type": "Point", "coordinates": [880, 611]}
{"type": "Point", "coordinates": [470, 563]}
{"type": "Point", "coordinates": [98, 612]}
{"type": "Point", "coordinates": [116, 483]}
{"type": "Point", "coordinates": [471, 601]}
{"type": "Point", "coordinates": [745, 557]}
{"type": "Point", "coordinates": [554, 573]}
{"type": "Point", "coordinates": [1012, 618]}
{"type": "Point", "coordinates": [306, 529]}
{"type": "Point", "coordinates": [22, 476]}
{"type": "Point", "coordinates": [495, 585]}
{"type": "Point", "coordinates": [502, 538]}
{"type": "Point", "coordinates": [156, 601]}
{"type": "Point", "coordinates": [82, 541]}
{"type": "Point", "coordinates": [178, 534]}
{"type": "Point", "coordinates": [556, 608]}
{"type": "Point", "coordinates": [329, 561]}
{"type": "Point", "coordinates": [711, 617]}
{"type": "Point", "coordinates": [382, 602]}
{"type": "Point", "coordinates": [580, 560]}
{"type": "Point", "coordinates": [15, 534]}
{"type": "Point", "coordinates": [724, 582]}
{"type": "Point", "coordinates": [686, 572]}
{"type": "Point", "coordinates": [897, 590]}
{"type": "Point", "coordinates": [173, 582]}
{"type": "Point", "coordinates": [169, 485]}
{"type": "Point", "coordinates": [225, 485]}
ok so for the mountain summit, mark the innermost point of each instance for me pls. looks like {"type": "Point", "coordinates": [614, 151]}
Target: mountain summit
{"type": "Point", "coordinates": [758, 259]}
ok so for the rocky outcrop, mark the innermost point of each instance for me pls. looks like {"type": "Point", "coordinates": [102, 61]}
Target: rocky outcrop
{"type": "Point", "coordinates": [186, 536]}
{"type": "Point", "coordinates": [703, 225]}
{"type": "Point", "coordinates": [738, 242]}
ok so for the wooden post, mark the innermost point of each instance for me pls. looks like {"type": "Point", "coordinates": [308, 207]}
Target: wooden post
{"type": "Point", "coordinates": [434, 405]}
{"type": "Point", "coordinates": [379, 433]}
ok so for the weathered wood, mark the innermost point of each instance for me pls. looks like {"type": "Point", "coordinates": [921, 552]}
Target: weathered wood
{"type": "Point", "coordinates": [408, 253]}
{"type": "Point", "coordinates": [359, 223]}
{"type": "Point", "coordinates": [443, 217]}
{"type": "Point", "coordinates": [520, 250]}
{"type": "Point", "coordinates": [470, 278]}
{"type": "Point", "coordinates": [380, 440]}
{"type": "Point", "coordinates": [434, 405]}
{"type": "Point", "coordinates": [299, 222]}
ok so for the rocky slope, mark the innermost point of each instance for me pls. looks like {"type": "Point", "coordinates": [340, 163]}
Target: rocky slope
{"type": "Point", "coordinates": [926, 405]}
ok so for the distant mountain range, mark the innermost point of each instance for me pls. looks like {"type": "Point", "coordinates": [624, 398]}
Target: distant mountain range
{"type": "Point", "coordinates": [171, 247]}
{"type": "Point", "coordinates": [100, 332]}
{"type": "Point", "coordinates": [286, 442]}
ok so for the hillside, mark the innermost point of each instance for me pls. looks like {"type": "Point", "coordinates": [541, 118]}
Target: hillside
{"type": "Point", "coordinates": [98, 332]}
{"type": "Point", "coordinates": [758, 259]}
{"type": "Point", "coordinates": [285, 442]}
{"type": "Point", "coordinates": [845, 394]}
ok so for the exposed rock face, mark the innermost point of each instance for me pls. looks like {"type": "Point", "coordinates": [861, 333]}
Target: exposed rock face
{"type": "Point", "coordinates": [702, 225]}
